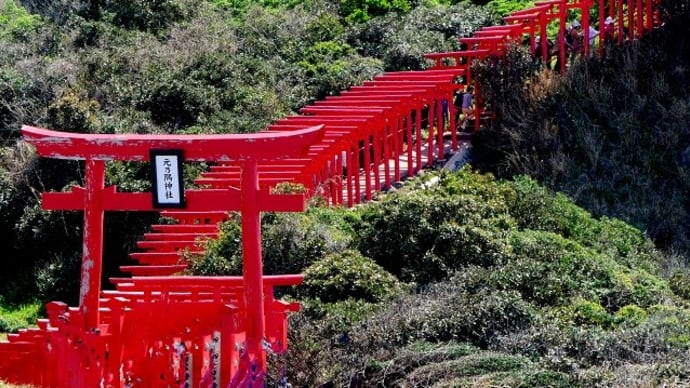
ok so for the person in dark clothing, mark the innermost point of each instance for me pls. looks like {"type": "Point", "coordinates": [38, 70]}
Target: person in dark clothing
{"type": "Point", "coordinates": [467, 108]}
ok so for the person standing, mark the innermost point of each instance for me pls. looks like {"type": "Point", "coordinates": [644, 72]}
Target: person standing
{"type": "Point", "coordinates": [467, 108]}
{"type": "Point", "coordinates": [608, 31]}
{"type": "Point", "coordinates": [593, 33]}
{"type": "Point", "coordinates": [576, 42]}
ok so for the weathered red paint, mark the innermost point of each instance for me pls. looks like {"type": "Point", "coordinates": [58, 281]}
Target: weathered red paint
{"type": "Point", "coordinates": [95, 199]}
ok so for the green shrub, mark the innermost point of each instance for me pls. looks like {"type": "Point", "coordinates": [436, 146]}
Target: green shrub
{"type": "Point", "coordinates": [58, 279]}
{"type": "Point", "coordinates": [293, 241]}
{"type": "Point", "coordinates": [458, 246]}
{"type": "Point", "coordinates": [326, 28]}
{"type": "Point", "coordinates": [427, 234]}
{"type": "Point", "coordinates": [447, 312]}
{"type": "Point", "coordinates": [631, 314]}
{"type": "Point", "coordinates": [290, 242]}
{"type": "Point", "coordinates": [357, 11]}
{"type": "Point", "coordinates": [534, 378]}
{"type": "Point", "coordinates": [348, 275]}
{"type": "Point", "coordinates": [223, 255]}
{"type": "Point", "coordinates": [536, 208]}
{"type": "Point", "coordinates": [15, 318]}
{"type": "Point", "coordinates": [72, 113]}
{"type": "Point", "coordinates": [680, 284]}
{"type": "Point", "coordinates": [627, 244]}
{"type": "Point", "coordinates": [151, 15]}
{"type": "Point", "coordinates": [331, 66]}
{"type": "Point", "coordinates": [548, 269]}
{"type": "Point", "coordinates": [400, 41]}
{"type": "Point", "coordinates": [16, 22]}
{"type": "Point", "coordinates": [337, 318]}
{"type": "Point", "coordinates": [505, 7]}
{"type": "Point", "coordinates": [591, 313]}
{"type": "Point", "coordinates": [658, 336]}
{"type": "Point", "coordinates": [635, 287]}
{"type": "Point", "coordinates": [473, 365]}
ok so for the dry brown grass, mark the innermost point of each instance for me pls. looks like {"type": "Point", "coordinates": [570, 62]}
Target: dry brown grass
{"type": "Point", "coordinates": [8, 385]}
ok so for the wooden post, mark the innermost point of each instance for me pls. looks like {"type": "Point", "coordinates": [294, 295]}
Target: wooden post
{"type": "Point", "coordinates": [252, 263]}
{"type": "Point", "coordinates": [92, 256]}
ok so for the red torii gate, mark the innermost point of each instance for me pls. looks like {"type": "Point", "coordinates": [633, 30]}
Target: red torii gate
{"type": "Point", "coordinates": [641, 15]}
{"type": "Point", "coordinates": [95, 198]}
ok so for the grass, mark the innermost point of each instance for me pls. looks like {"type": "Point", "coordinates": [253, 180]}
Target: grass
{"type": "Point", "coordinates": [8, 385]}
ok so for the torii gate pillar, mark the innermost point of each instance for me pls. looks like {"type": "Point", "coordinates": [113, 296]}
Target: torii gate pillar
{"type": "Point", "coordinates": [92, 256]}
{"type": "Point", "coordinates": [252, 262]}
{"type": "Point", "coordinates": [95, 199]}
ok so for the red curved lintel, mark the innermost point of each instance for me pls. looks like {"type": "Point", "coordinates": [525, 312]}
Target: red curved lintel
{"type": "Point", "coordinates": [455, 72]}
{"type": "Point", "coordinates": [370, 111]}
{"type": "Point", "coordinates": [369, 92]}
{"type": "Point", "coordinates": [483, 39]}
{"type": "Point", "coordinates": [345, 102]}
{"type": "Point", "coordinates": [409, 83]}
{"type": "Point", "coordinates": [522, 18]}
{"type": "Point", "coordinates": [132, 147]}
{"type": "Point", "coordinates": [500, 27]}
{"type": "Point", "coordinates": [462, 53]}
{"type": "Point", "coordinates": [537, 9]}
{"type": "Point", "coordinates": [416, 77]}
{"type": "Point", "coordinates": [497, 33]}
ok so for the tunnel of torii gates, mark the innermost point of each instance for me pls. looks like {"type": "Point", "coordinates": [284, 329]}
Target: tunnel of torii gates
{"type": "Point", "coordinates": [158, 330]}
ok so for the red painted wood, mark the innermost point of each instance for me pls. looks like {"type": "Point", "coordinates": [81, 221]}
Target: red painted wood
{"type": "Point", "coordinates": [375, 119]}
{"type": "Point", "coordinates": [260, 146]}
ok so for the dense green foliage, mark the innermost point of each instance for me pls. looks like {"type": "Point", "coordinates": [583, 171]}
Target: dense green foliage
{"type": "Point", "coordinates": [13, 317]}
{"type": "Point", "coordinates": [496, 280]}
{"type": "Point", "coordinates": [612, 133]}
{"type": "Point", "coordinates": [472, 281]}
{"type": "Point", "coordinates": [171, 66]}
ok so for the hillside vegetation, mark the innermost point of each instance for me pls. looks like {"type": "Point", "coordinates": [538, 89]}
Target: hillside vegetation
{"type": "Point", "coordinates": [472, 281]}
{"type": "Point", "coordinates": [528, 276]}
{"type": "Point", "coordinates": [171, 66]}
{"type": "Point", "coordinates": [613, 133]}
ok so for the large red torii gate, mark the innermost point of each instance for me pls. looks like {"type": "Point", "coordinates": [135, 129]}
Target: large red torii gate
{"type": "Point", "coordinates": [95, 198]}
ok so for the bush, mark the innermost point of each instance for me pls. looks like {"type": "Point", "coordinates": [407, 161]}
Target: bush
{"type": "Point", "coordinates": [587, 312]}
{"type": "Point", "coordinates": [72, 113]}
{"type": "Point", "coordinates": [290, 242]}
{"type": "Point", "coordinates": [630, 315]}
{"type": "Point", "coordinates": [347, 275]}
{"type": "Point", "coordinates": [474, 365]}
{"type": "Point", "coordinates": [565, 347]}
{"type": "Point", "coordinates": [447, 312]}
{"type": "Point", "coordinates": [427, 234]}
{"type": "Point", "coordinates": [680, 284]}
{"type": "Point", "coordinates": [357, 11]}
{"type": "Point", "coordinates": [15, 318]}
{"type": "Point", "coordinates": [16, 23]}
{"type": "Point", "coordinates": [59, 278]}
{"type": "Point", "coordinates": [400, 41]}
{"type": "Point", "coordinates": [548, 269]}
{"type": "Point", "coordinates": [151, 15]}
{"type": "Point", "coordinates": [223, 255]}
